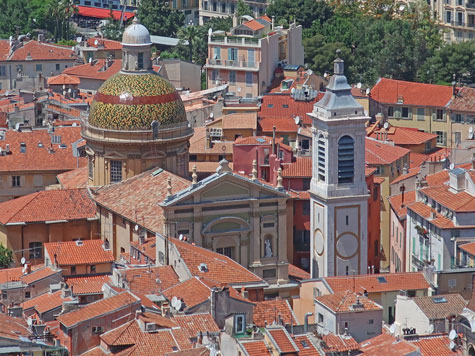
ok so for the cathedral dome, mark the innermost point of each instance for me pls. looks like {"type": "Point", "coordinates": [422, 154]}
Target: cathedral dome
{"type": "Point", "coordinates": [136, 35]}
{"type": "Point", "coordinates": [132, 101]}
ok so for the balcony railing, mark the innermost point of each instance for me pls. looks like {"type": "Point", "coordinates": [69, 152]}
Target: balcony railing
{"type": "Point", "coordinates": [233, 64]}
{"type": "Point", "coordinates": [458, 23]}
{"type": "Point", "coordinates": [243, 41]}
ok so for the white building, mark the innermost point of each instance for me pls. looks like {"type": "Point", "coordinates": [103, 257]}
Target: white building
{"type": "Point", "coordinates": [338, 191]}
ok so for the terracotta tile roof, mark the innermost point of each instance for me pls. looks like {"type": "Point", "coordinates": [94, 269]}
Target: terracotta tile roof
{"type": "Point", "coordinates": [256, 348]}
{"type": "Point", "coordinates": [426, 211]}
{"type": "Point", "coordinates": [39, 274]}
{"type": "Point", "coordinates": [95, 70]}
{"type": "Point", "coordinates": [301, 168]}
{"type": "Point", "coordinates": [344, 302]}
{"type": "Point", "coordinates": [45, 302]}
{"type": "Point", "coordinates": [378, 153]}
{"type": "Point", "coordinates": [297, 272]}
{"type": "Point", "coordinates": [282, 339]}
{"type": "Point", "coordinates": [103, 43]}
{"type": "Point", "coordinates": [147, 248]}
{"type": "Point", "coordinates": [438, 178]}
{"type": "Point", "coordinates": [435, 345]}
{"type": "Point", "coordinates": [403, 135]}
{"type": "Point", "coordinates": [237, 121]}
{"type": "Point", "coordinates": [267, 312]}
{"type": "Point", "coordinates": [63, 79]}
{"type": "Point", "coordinates": [199, 351]}
{"type": "Point", "coordinates": [98, 308]}
{"type": "Point", "coordinates": [412, 173]}
{"type": "Point", "coordinates": [285, 124]}
{"type": "Point", "coordinates": [266, 18]}
{"type": "Point", "coordinates": [38, 51]}
{"type": "Point", "coordinates": [452, 304]}
{"type": "Point", "coordinates": [284, 106]}
{"type": "Point", "coordinates": [221, 269]}
{"type": "Point", "coordinates": [369, 171]}
{"type": "Point", "coordinates": [386, 344]}
{"type": "Point", "coordinates": [416, 159]}
{"type": "Point", "coordinates": [137, 198]}
{"type": "Point", "coordinates": [305, 345]}
{"type": "Point", "coordinates": [13, 328]}
{"type": "Point", "coordinates": [38, 157]}
{"type": "Point", "coordinates": [193, 324]}
{"type": "Point", "coordinates": [77, 178]}
{"type": "Point", "coordinates": [192, 292]}
{"type": "Point", "coordinates": [198, 144]}
{"type": "Point", "coordinates": [396, 203]}
{"type": "Point", "coordinates": [464, 100]}
{"type": "Point", "coordinates": [461, 201]}
{"type": "Point", "coordinates": [260, 140]}
{"type": "Point", "coordinates": [370, 283]}
{"type": "Point", "coordinates": [15, 274]}
{"type": "Point", "coordinates": [254, 25]}
{"type": "Point", "coordinates": [48, 205]}
{"type": "Point", "coordinates": [144, 280]}
{"type": "Point", "coordinates": [88, 284]}
{"type": "Point", "coordinates": [87, 252]}
{"type": "Point", "coordinates": [339, 343]}
{"type": "Point", "coordinates": [468, 247]}
{"type": "Point", "coordinates": [390, 91]}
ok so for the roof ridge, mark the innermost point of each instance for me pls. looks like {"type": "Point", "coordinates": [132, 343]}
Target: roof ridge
{"type": "Point", "coordinates": [34, 197]}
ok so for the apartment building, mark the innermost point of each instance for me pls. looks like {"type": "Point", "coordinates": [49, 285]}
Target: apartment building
{"type": "Point", "coordinates": [209, 9]}
{"type": "Point", "coordinates": [246, 59]}
{"type": "Point", "coordinates": [457, 17]}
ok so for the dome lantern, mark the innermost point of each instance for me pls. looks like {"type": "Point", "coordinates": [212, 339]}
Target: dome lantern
{"type": "Point", "coordinates": [136, 45]}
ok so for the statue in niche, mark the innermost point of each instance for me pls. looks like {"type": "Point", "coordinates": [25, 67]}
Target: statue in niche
{"type": "Point", "coordinates": [268, 248]}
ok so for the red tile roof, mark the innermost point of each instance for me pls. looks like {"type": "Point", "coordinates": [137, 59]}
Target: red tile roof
{"type": "Point", "coordinates": [396, 203]}
{"type": "Point", "coordinates": [403, 135]}
{"type": "Point", "coordinates": [464, 100]}
{"type": "Point", "coordinates": [269, 311]}
{"type": "Point", "coordinates": [221, 269]}
{"type": "Point", "coordinates": [63, 79]}
{"type": "Point", "coordinates": [99, 13]}
{"type": "Point", "coordinates": [282, 339]}
{"type": "Point", "coordinates": [244, 120]}
{"type": "Point", "coordinates": [38, 156]}
{"type": "Point", "coordinates": [48, 205]}
{"type": "Point", "coordinates": [98, 308]}
{"type": "Point", "coordinates": [282, 125]}
{"type": "Point", "coordinates": [192, 292]}
{"type": "Point", "coordinates": [283, 106]}
{"type": "Point", "coordinates": [266, 18]}
{"type": "Point", "coordinates": [370, 283]}
{"type": "Point", "coordinates": [254, 25]}
{"type": "Point", "coordinates": [256, 348]}
{"type": "Point", "coordinates": [412, 173]}
{"type": "Point", "coordinates": [14, 274]}
{"type": "Point", "coordinates": [435, 345]}
{"type": "Point", "coordinates": [453, 305]}
{"type": "Point", "coordinates": [198, 144]}
{"type": "Point", "coordinates": [144, 280]}
{"type": "Point", "coordinates": [461, 201]}
{"type": "Point", "coordinates": [103, 43]}
{"type": "Point", "coordinates": [86, 252]}
{"type": "Point", "coordinates": [88, 284]}
{"type": "Point", "coordinates": [137, 198]}
{"type": "Point", "coordinates": [38, 51]}
{"type": "Point", "coordinates": [468, 247]}
{"type": "Point", "coordinates": [77, 178]}
{"type": "Point", "coordinates": [305, 345]}
{"type": "Point", "coordinates": [13, 328]}
{"type": "Point", "coordinates": [196, 323]}
{"type": "Point", "coordinates": [147, 248]}
{"type": "Point", "coordinates": [45, 302]}
{"type": "Point", "coordinates": [39, 274]}
{"type": "Point", "coordinates": [390, 91]}
{"type": "Point", "coordinates": [416, 159]}
{"type": "Point", "coordinates": [297, 272]}
{"type": "Point", "coordinates": [95, 70]}
{"type": "Point", "coordinates": [343, 302]}
{"type": "Point", "coordinates": [426, 212]}
{"type": "Point", "coordinates": [339, 343]}
{"type": "Point", "coordinates": [301, 168]}
{"type": "Point", "coordinates": [379, 153]}
{"type": "Point", "coordinates": [386, 344]}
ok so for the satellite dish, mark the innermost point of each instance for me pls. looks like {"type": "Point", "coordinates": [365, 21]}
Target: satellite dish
{"type": "Point", "coordinates": [325, 331]}
{"type": "Point", "coordinates": [452, 345]}
{"type": "Point", "coordinates": [386, 125]}
{"type": "Point", "coordinates": [470, 135]}
{"type": "Point", "coordinates": [359, 85]}
{"type": "Point", "coordinates": [29, 321]}
{"type": "Point", "coordinates": [178, 305]}
{"type": "Point", "coordinates": [174, 300]}
{"type": "Point", "coordinates": [297, 120]}
{"type": "Point", "coordinates": [180, 237]}
{"type": "Point", "coordinates": [136, 228]}
{"type": "Point", "coordinates": [72, 48]}
{"type": "Point", "coordinates": [392, 329]}
{"type": "Point", "coordinates": [368, 91]}
{"type": "Point", "coordinates": [452, 166]}
{"type": "Point", "coordinates": [96, 42]}
{"type": "Point", "coordinates": [210, 31]}
{"type": "Point", "coordinates": [23, 260]}
{"type": "Point", "coordinates": [452, 334]}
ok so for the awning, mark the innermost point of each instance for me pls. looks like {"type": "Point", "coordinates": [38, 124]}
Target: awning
{"type": "Point", "coordinates": [102, 13]}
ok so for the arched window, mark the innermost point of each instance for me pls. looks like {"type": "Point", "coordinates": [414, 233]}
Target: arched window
{"type": "Point", "coordinates": [321, 158]}
{"type": "Point", "coordinates": [346, 157]}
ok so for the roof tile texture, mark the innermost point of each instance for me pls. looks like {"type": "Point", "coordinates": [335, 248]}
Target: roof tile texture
{"type": "Point", "coordinates": [344, 302]}
{"type": "Point", "coordinates": [85, 252]}
{"type": "Point", "coordinates": [453, 306]}
{"type": "Point", "coordinates": [268, 311]}
{"type": "Point", "coordinates": [379, 153]}
{"type": "Point", "coordinates": [144, 280]}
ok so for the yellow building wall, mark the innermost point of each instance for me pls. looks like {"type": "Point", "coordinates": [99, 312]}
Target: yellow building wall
{"type": "Point", "coordinates": [27, 185]}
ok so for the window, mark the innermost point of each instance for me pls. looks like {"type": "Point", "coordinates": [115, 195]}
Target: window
{"type": "Point", "coordinates": [215, 6]}
{"type": "Point", "coordinates": [174, 4]}
{"type": "Point", "coordinates": [214, 74]}
{"type": "Point", "coordinates": [115, 171]}
{"type": "Point", "coordinates": [97, 330]}
{"type": "Point", "coordinates": [371, 321]}
{"type": "Point", "coordinates": [27, 295]}
{"type": "Point", "coordinates": [346, 169]}
{"type": "Point", "coordinates": [38, 180]}
{"type": "Point", "coordinates": [321, 158]}
{"type": "Point", "coordinates": [458, 137]}
{"type": "Point", "coordinates": [239, 323]}
{"type": "Point", "coordinates": [217, 52]}
{"type": "Point", "coordinates": [248, 79]}
{"type": "Point", "coordinates": [420, 114]}
{"type": "Point", "coordinates": [16, 181]}
{"type": "Point", "coordinates": [91, 167]}
{"type": "Point", "coordinates": [58, 67]}
{"type": "Point", "coordinates": [391, 111]}
{"type": "Point", "coordinates": [441, 137]}
{"type": "Point", "coordinates": [458, 118]}
{"type": "Point", "coordinates": [347, 220]}
{"type": "Point", "coordinates": [22, 147]}
{"type": "Point", "coordinates": [223, 8]}
{"type": "Point", "coordinates": [232, 76]}
{"type": "Point", "coordinates": [306, 183]}
{"type": "Point", "coordinates": [320, 318]}
{"type": "Point", "coordinates": [19, 68]}
{"type": "Point", "coordinates": [140, 61]}
{"type": "Point", "coordinates": [269, 273]}
{"type": "Point", "coordinates": [250, 56]}
{"type": "Point", "coordinates": [3, 71]}
{"type": "Point", "coordinates": [226, 251]}
{"type": "Point", "coordinates": [405, 112]}
{"type": "Point", "coordinates": [232, 9]}
{"type": "Point", "coordinates": [39, 67]}
{"type": "Point", "coordinates": [440, 115]}
{"type": "Point", "coordinates": [36, 249]}
{"type": "Point", "coordinates": [73, 269]}
{"type": "Point", "coordinates": [448, 16]}
{"type": "Point", "coordinates": [232, 54]}
{"type": "Point", "coordinates": [93, 268]}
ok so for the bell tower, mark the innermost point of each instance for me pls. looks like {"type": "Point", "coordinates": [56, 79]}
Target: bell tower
{"type": "Point", "coordinates": [338, 191]}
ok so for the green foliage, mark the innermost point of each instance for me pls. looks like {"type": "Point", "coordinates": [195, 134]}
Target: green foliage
{"type": "Point", "coordinates": [13, 17]}
{"type": "Point", "coordinates": [112, 29]}
{"type": "Point", "coordinates": [159, 18]}
{"type": "Point", "coordinates": [6, 257]}
{"type": "Point", "coordinates": [66, 43]}
{"type": "Point", "coordinates": [243, 9]}
{"type": "Point", "coordinates": [303, 12]}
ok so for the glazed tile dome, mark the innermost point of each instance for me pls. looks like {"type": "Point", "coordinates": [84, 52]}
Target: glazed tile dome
{"type": "Point", "coordinates": [133, 101]}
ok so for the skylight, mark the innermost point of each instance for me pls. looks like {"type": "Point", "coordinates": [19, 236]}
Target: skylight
{"type": "Point", "coordinates": [439, 300]}
{"type": "Point", "coordinates": [382, 280]}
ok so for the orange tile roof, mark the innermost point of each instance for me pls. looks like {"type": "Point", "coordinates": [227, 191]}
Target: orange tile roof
{"type": "Point", "coordinates": [15, 274]}
{"type": "Point", "coordinates": [38, 51]}
{"type": "Point", "coordinates": [221, 269]}
{"type": "Point", "coordinates": [378, 153]}
{"type": "Point", "coordinates": [39, 274]}
{"type": "Point", "coordinates": [391, 91]}
{"type": "Point", "coordinates": [297, 272]}
{"type": "Point", "coordinates": [461, 201]}
{"type": "Point", "coordinates": [468, 247]}
{"type": "Point", "coordinates": [435, 345]}
{"type": "Point", "coordinates": [305, 345]}
{"type": "Point", "coordinates": [284, 106]}
{"type": "Point", "coordinates": [370, 283]}
{"type": "Point", "coordinates": [88, 252]}
{"type": "Point", "coordinates": [48, 205]}
{"type": "Point", "coordinates": [437, 178]}
{"type": "Point", "coordinates": [416, 159]}
{"type": "Point", "coordinates": [237, 121]}
{"type": "Point", "coordinates": [198, 144]}
{"type": "Point", "coordinates": [205, 167]}
{"type": "Point", "coordinates": [339, 343]}
{"type": "Point", "coordinates": [88, 284]}
{"type": "Point", "coordinates": [386, 344]}
{"type": "Point", "coordinates": [426, 211]}
{"type": "Point", "coordinates": [77, 178]}
{"type": "Point", "coordinates": [192, 292]}
{"type": "Point", "coordinates": [144, 280]}
{"type": "Point", "coordinates": [254, 25]}
{"type": "Point", "coordinates": [403, 135]}
{"type": "Point", "coordinates": [13, 328]}
{"type": "Point", "coordinates": [281, 338]}
{"type": "Point", "coordinates": [301, 168]}
{"type": "Point", "coordinates": [266, 18]}
{"type": "Point", "coordinates": [100, 307]}
{"type": "Point", "coordinates": [196, 323]}
{"type": "Point", "coordinates": [464, 100]}
{"type": "Point", "coordinates": [63, 79]}
{"type": "Point", "coordinates": [396, 203]}
{"type": "Point", "coordinates": [285, 124]}
{"type": "Point", "coordinates": [95, 70]}
{"type": "Point", "coordinates": [343, 302]}
{"type": "Point", "coordinates": [256, 348]}
{"type": "Point", "coordinates": [267, 312]}
{"type": "Point", "coordinates": [38, 157]}
{"type": "Point", "coordinates": [45, 302]}
{"type": "Point", "coordinates": [147, 248]}
{"type": "Point", "coordinates": [103, 43]}
{"type": "Point", "coordinates": [137, 198]}
{"type": "Point", "coordinates": [412, 173]}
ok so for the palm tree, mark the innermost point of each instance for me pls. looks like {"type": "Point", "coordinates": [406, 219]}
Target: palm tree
{"type": "Point", "coordinates": [191, 34]}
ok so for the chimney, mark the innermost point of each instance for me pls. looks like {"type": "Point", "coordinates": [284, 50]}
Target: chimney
{"type": "Point", "coordinates": [379, 117]}
{"type": "Point", "coordinates": [235, 20]}
{"type": "Point", "coordinates": [454, 89]}
{"type": "Point", "coordinates": [272, 24]}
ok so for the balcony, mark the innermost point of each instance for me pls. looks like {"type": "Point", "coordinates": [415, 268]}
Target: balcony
{"type": "Point", "coordinates": [235, 40]}
{"type": "Point", "coordinates": [458, 23]}
{"type": "Point", "coordinates": [231, 64]}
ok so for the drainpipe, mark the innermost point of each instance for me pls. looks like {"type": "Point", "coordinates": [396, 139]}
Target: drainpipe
{"type": "Point", "coordinates": [305, 327]}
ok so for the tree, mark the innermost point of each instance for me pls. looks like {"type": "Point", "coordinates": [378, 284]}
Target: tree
{"type": "Point", "coordinates": [243, 9]}
{"type": "Point", "coordinates": [14, 18]}
{"type": "Point", "coordinates": [303, 12]}
{"type": "Point", "coordinates": [112, 29]}
{"type": "Point", "coordinates": [159, 18]}
{"type": "Point", "coordinates": [6, 257]}
{"type": "Point", "coordinates": [190, 34]}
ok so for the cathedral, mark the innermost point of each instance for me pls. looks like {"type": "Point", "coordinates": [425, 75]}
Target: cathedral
{"type": "Point", "coordinates": [338, 191]}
